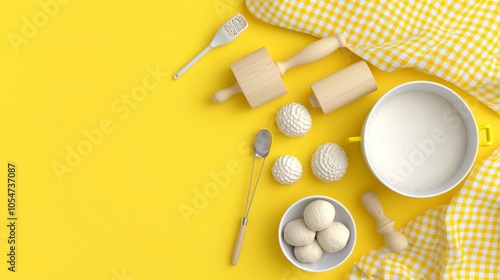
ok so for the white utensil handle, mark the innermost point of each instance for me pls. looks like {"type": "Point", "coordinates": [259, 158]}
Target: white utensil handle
{"type": "Point", "coordinates": [193, 61]}
{"type": "Point", "coordinates": [313, 52]}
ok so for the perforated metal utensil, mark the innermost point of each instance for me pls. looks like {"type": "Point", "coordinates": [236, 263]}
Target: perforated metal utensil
{"type": "Point", "coordinates": [262, 146]}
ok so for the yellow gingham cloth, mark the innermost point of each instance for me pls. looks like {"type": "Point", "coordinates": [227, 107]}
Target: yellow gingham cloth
{"type": "Point", "coordinates": [455, 40]}
{"type": "Point", "coordinates": [458, 241]}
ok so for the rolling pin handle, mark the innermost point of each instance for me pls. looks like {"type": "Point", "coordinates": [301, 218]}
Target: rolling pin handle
{"type": "Point", "coordinates": [313, 52]}
{"type": "Point", "coordinates": [224, 94]}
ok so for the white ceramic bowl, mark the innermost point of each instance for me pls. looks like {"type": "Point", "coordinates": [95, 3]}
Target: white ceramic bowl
{"type": "Point", "coordinates": [472, 141]}
{"type": "Point", "coordinates": [329, 260]}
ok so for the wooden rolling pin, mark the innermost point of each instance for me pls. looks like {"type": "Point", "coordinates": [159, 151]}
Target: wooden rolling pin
{"type": "Point", "coordinates": [343, 87]}
{"type": "Point", "coordinates": [394, 240]}
{"type": "Point", "coordinates": [259, 78]}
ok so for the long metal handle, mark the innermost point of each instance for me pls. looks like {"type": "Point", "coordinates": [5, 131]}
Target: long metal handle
{"type": "Point", "coordinates": [239, 242]}
{"type": "Point", "coordinates": [262, 146]}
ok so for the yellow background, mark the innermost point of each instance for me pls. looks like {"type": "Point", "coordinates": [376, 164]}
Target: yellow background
{"type": "Point", "coordinates": [115, 213]}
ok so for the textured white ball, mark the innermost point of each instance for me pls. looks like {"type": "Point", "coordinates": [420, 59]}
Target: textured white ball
{"type": "Point", "coordinates": [334, 237]}
{"type": "Point", "coordinates": [329, 162]}
{"type": "Point", "coordinates": [296, 233]}
{"type": "Point", "coordinates": [294, 120]}
{"type": "Point", "coordinates": [308, 254]}
{"type": "Point", "coordinates": [286, 170]}
{"type": "Point", "coordinates": [319, 214]}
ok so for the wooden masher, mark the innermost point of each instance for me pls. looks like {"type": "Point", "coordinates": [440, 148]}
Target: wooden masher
{"type": "Point", "coordinates": [394, 239]}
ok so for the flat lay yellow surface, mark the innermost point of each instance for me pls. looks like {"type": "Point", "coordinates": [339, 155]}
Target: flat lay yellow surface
{"type": "Point", "coordinates": [114, 170]}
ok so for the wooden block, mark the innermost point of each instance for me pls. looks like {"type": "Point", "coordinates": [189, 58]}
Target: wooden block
{"type": "Point", "coordinates": [343, 87]}
{"type": "Point", "coordinates": [258, 78]}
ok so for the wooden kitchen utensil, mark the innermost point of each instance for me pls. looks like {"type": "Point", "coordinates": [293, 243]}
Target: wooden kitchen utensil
{"type": "Point", "coordinates": [394, 240]}
{"type": "Point", "coordinates": [343, 87]}
{"type": "Point", "coordinates": [259, 78]}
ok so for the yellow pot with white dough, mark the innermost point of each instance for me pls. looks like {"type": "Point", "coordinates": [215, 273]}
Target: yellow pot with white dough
{"type": "Point", "coordinates": [421, 139]}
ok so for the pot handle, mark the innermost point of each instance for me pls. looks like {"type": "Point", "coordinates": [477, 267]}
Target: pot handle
{"type": "Point", "coordinates": [354, 139]}
{"type": "Point", "coordinates": [489, 135]}
{"type": "Point", "coordinates": [486, 127]}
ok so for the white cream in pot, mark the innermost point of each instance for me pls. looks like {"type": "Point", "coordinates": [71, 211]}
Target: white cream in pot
{"type": "Point", "coordinates": [415, 140]}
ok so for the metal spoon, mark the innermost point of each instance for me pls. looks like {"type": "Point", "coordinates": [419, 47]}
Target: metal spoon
{"type": "Point", "coordinates": [261, 147]}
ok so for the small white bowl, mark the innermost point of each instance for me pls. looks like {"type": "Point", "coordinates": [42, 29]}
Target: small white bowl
{"type": "Point", "coordinates": [329, 260]}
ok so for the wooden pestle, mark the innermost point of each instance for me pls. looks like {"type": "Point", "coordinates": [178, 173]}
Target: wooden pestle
{"type": "Point", "coordinates": [394, 240]}
{"type": "Point", "coordinates": [259, 79]}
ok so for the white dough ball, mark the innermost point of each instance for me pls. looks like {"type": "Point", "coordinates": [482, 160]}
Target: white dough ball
{"type": "Point", "coordinates": [329, 162]}
{"type": "Point", "coordinates": [287, 170]}
{"type": "Point", "coordinates": [308, 254]}
{"type": "Point", "coordinates": [296, 233]}
{"type": "Point", "coordinates": [333, 238]}
{"type": "Point", "coordinates": [294, 120]}
{"type": "Point", "coordinates": [319, 214]}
